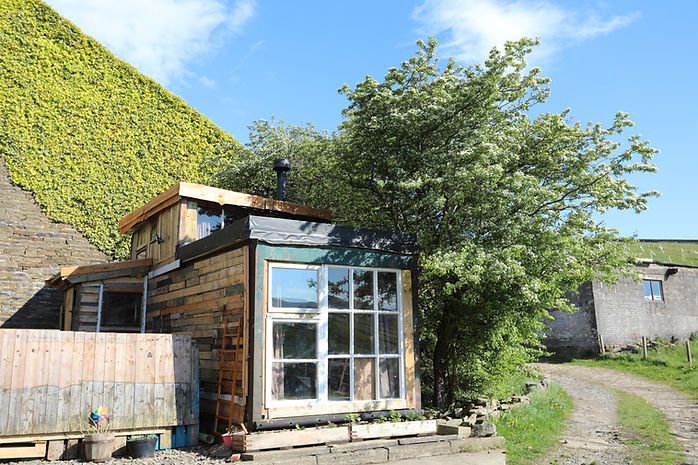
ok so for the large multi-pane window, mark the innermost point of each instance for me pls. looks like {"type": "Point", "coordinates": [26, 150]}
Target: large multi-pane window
{"type": "Point", "coordinates": [349, 324]}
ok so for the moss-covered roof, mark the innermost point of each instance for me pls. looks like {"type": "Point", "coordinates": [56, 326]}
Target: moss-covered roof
{"type": "Point", "coordinates": [89, 135]}
{"type": "Point", "coordinates": [675, 252]}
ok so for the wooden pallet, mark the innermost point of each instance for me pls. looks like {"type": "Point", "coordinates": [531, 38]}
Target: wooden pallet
{"type": "Point", "coordinates": [53, 446]}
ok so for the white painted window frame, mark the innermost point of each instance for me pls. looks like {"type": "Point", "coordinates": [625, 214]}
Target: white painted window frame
{"type": "Point", "coordinates": [320, 316]}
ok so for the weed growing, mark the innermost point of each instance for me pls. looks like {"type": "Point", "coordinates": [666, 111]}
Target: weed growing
{"type": "Point", "coordinates": [646, 431]}
{"type": "Point", "coordinates": [533, 429]}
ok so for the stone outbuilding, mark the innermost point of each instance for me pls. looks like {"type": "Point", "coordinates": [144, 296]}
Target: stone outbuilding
{"type": "Point", "coordinates": [662, 302]}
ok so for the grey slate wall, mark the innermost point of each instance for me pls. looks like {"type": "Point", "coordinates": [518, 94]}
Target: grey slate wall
{"type": "Point", "coordinates": [574, 334]}
{"type": "Point", "coordinates": [624, 316]}
{"type": "Point", "coordinates": [32, 249]}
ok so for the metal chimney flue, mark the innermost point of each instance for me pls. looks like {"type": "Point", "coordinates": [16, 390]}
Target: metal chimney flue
{"type": "Point", "coordinates": [281, 166]}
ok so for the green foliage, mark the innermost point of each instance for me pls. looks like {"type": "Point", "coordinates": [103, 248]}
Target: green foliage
{"type": "Point", "coordinates": [394, 417]}
{"type": "Point", "coordinates": [414, 416]}
{"type": "Point", "coordinates": [313, 177]}
{"type": "Point", "coordinates": [667, 364]}
{"type": "Point", "coordinates": [533, 429]}
{"type": "Point", "coordinates": [352, 417]}
{"type": "Point", "coordinates": [91, 137]}
{"type": "Point", "coordinates": [502, 203]}
{"type": "Point", "coordinates": [645, 429]}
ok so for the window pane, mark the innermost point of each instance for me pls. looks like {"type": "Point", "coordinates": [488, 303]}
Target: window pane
{"type": "Point", "coordinates": [208, 220]}
{"type": "Point", "coordinates": [389, 378]}
{"type": "Point", "coordinates": [387, 291]}
{"type": "Point", "coordinates": [295, 340]}
{"type": "Point", "coordinates": [364, 378]}
{"type": "Point", "coordinates": [294, 288]}
{"type": "Point", "coordinates": [363, 334]}
{"type": "Point", "coordinates": [388, 334]}
{"type": "Point", "coordinates": [363, 290]}
{"type": "Point", "coordinates": [338, 338]}
{"type": "Point", "coordinates": [231, 217]}
{"type": "Point", "coordinates": [338, 288]}
{"type": "Point", "coordinates": [648, 289]}
{"type": "Point", "coordinates": [121, 308]}
{"type": "Point", "coordinates": [657, 290]}
{"type": "Point", "coordinates": [294, 381]}
{"type": "Point", "coordinates": [338, 379]}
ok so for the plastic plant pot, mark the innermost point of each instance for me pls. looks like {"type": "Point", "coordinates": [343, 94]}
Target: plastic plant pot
{"type": "Point", "coordinates": [141, 447]}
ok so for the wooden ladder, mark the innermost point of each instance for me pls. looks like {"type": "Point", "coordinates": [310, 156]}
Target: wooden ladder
{"type": "Point", "coordinates": [230, 363]}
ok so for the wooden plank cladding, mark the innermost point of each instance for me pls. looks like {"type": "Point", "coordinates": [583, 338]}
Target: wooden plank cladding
{"type": "Point", "coordinates": [220, 196]}
{"type": "Point", "coordinates": [198, 299]}
{"type": "Point", "coordinates": [51, 380]}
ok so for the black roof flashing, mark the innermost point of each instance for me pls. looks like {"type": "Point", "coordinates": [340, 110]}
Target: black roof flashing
{"type": "Point", "coordinates": [287, 231]}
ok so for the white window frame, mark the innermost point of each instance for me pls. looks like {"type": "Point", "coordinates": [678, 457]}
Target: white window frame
{"type": "Point", "coordinates": [320, 316]}
{"type": "Point", "coordinates": [653, 296]}
{"type": "Point", "coordinates": [298, 310]}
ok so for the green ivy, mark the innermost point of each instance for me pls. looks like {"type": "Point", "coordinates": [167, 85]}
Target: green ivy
{"type": "Point", "coordinates": [89, 135]}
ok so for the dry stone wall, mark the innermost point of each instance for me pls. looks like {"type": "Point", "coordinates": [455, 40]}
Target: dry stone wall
{"type": "Point", "coordinates": [32, 249]}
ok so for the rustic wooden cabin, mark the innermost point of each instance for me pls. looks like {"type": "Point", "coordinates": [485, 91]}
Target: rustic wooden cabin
{"type": "Point", "coordinates": [299, 321]}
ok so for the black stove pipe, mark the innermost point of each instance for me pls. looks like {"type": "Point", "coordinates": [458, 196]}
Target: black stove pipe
{"type": "Point", "coordinates": [281, 166]}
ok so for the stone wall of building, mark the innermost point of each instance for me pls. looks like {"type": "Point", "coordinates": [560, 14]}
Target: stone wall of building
{"type": "Point", "coordinates": [32, 249]}
{"type": "Point", "coordinates": [574, 334]}
{"type": "Point", "coordinates": [623, 315]}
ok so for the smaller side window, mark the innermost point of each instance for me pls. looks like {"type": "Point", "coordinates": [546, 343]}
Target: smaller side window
{"type": "Point", "coordinates": [652, 289]}
{"type": "Point", "coordinates": [208, 220]}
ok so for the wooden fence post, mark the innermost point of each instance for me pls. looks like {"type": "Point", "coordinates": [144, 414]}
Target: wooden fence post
{"type": "Point", "coordinates": [644, 348]}
{"type": "Point", "coordinates": [602, 347]}
{"type": "Point", "coordinates": [688, 352]}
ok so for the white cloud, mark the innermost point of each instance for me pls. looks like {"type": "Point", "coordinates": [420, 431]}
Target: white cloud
{"type": "Point", "coordinates": [159, 37]}
{"type": "Point", "coordinates": [206, 82]}
{"type": "Point", "coordinates": [473, 27]}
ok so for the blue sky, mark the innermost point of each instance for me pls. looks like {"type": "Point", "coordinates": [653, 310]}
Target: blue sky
{"type": "Point", "coordinates": [239, 60]}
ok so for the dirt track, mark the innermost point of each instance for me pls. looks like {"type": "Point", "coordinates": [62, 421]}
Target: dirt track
{"type": "Point", "coordinates": [592, 434]}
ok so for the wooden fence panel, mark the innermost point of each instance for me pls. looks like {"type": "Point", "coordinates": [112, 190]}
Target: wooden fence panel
{"type": "Point", "coordinates": [51, 380]}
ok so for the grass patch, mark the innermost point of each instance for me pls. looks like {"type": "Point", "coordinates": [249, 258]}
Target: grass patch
{"type": "Point", "coordinates": [666, 364]}
{"type": "Point", "coordinates": [645, 429]}
{"type": "Point", "coordinates": [533, 429]}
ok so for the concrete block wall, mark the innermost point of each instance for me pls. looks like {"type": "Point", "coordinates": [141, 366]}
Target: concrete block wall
{"type": "Point", "coordinates": [574, 334]}
{"type": "Point", "coordinates": [624, 316]}
{"type": "Point", "coordinates": [32, 249]}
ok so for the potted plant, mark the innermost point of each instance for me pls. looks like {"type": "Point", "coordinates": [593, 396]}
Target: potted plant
{"type": "Point", "coordinates": [229, 433]}
{"type": "Point", "coordinates": [142, 445]}
{"type": "Point", "coordinates": [99, 439]}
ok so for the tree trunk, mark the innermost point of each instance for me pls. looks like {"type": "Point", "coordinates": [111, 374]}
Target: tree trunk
{"type": "Point", "coordinates": [444, 334]}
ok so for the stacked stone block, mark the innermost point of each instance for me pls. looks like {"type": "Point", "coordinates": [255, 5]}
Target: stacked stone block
{"type": "Point", "coordinates": [32, 249]}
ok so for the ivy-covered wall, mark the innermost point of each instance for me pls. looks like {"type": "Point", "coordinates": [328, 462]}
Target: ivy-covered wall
{"type": "Point", "coordinates": [89, 135]}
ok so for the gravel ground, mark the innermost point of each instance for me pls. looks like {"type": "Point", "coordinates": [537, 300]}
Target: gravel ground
{"type": "Point", "coordinates": [592, 435]}
{"type": "Point", "coordinates": [185, 456]}
{"type": "Point", "coordinates": [681, 411]}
